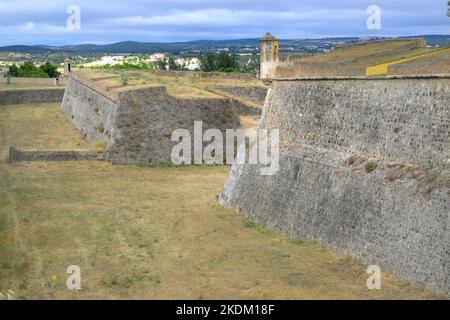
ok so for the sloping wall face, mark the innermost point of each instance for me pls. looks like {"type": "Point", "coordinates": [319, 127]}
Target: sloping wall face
{"type": "Point", "coordinates": [364, 167]}
{"type": "Point", "coordinates": [426, 65]}
{"type": "Point", "coordinates": [256, 94]}
{"type": "Point", "coordinates": [317, 69]}
{"type": "Point", "coordinates": [146, 118]}
{"type": "Point", "coordinates": [90, 111]}
{"type": "Point", "coordinates": [137, 126]}
{"type": "Point", "coordinates": [17, 96]}
{"type": "Point", "coordinates": [397, 120]}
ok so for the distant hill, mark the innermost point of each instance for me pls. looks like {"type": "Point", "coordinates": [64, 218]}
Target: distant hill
{"type": "Point", "coordinates": [133, 47]}
{"type": "Point", "coordinates": [25, 49]}
{"type": "Point", "coordinates": [433, 40]}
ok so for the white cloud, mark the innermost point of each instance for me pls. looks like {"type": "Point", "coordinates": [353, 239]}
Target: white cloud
{"type": "Point", "coordinates": [106, 21]}
{"type": "Point", "coordinates": [229, 18]}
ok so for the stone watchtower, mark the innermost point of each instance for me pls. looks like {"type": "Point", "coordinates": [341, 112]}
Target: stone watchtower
{"type": "Point", "coordinates": [268, 48]}
{"type": "Point", "coordinates": [67, 66]}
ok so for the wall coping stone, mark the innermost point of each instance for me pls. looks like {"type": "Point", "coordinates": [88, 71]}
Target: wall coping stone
{"type": "Point", "coordinates": [389, 77]}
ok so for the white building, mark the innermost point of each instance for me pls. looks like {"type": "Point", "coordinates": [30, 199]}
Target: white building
{"type": "Point", "coordinates": [106, 60]}
{"type": "Point", "coordinates": [190, 64]}
{"type": "Point", "coordinates": [157, 57]}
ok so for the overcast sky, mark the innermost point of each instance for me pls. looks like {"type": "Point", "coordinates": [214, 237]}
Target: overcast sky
{"type": "Point", "coordinates": [107, 21]}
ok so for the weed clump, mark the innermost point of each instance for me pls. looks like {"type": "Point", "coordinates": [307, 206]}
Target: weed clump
{"type": "Point", "coordinates": [370, 166]}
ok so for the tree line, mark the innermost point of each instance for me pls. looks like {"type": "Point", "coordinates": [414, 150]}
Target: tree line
{"type": "Point", "coordinates": [214, 62]}
{"type": "Point", "coordinates": [30, 70]}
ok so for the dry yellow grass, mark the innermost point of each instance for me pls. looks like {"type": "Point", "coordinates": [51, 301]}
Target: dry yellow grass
{"type": "Point", "coordinates": [180, 87]}
{"type": "Point", "coordinates": [40, 127]}
{"type": "Point", "coordinates": [249, 122]}
{"type": "Point", "coordinates": [382, 69]}
{"type": "Point", "coordinates": [151, 233]}
{"type": "Point", "coordinates": [369, 54]}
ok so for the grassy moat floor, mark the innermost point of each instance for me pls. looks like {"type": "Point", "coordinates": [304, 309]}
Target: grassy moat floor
{"type": "Point", "coordinates": [147, 232]}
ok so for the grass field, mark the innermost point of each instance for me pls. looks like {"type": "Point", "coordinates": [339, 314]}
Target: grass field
{"type": "Point", "coordinates": [180, 87]}
{"type": "Point", "coordinates": [147, 232]}
{"type": "Point", "coordinates": [370, 54]}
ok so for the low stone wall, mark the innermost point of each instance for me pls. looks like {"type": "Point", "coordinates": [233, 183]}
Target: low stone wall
{"type": "Point", "coordinates": [317, 69]}
{"type": "Point", "coordinates": [296, 66]}
{"type": "Point", "coordinates": [34, 95]}
{"type": "Point", "coordinates": [426, 65]}
{"type": "Point", "coordinates": [364, 167]}
{"type": "Point", "coordinates": [16, 155]}
{"type": "Point", "coordinates": [405, 46]}
{"type": "Point", "coordinates": [198, 74]}
{"type": "Point", "coordinates": [246, 100]}
{"type": "Point", "coordinates": [285, 58]}
{"type": "Point", "coordinates": [40, 81]}
{"type": "Point", "coordinates": [255, 94]}
{"type": "Point", "coordinates": [137, 127]}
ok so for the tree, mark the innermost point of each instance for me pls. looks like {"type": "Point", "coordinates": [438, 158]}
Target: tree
{"type": "Point", "coordinates": [252, 66]}
{"type": "Point", "coordinates": [448, 10]}
{"type": "Point", "coordinates": [50, 70]}
{"type": "Point", "coordinates": [222, 62]}
{"type": "Point", "coordinates": [172, 64]}
{"type": "Point", "coordinates": [227, 63]}
{"type": "Point", "coordinates": [208, 63]}
{"type": "Point", "coordinates": [28, 69]}
{"type": "Point", "coordinates": [13, 71]}
{"type": "Point", "coordinates": [161, 65]}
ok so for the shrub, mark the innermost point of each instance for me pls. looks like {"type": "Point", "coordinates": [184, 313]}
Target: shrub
{"type": "Point", "coordinates": [29, 70]}
{"type": "Point", "coordinates": [222, 62]}
{"type": "Point", "coordinates": [50, 70]}
{"type": "Point", "coordinates": [13, 71]}
{"type": "Point", "coordinates": [370, 166]}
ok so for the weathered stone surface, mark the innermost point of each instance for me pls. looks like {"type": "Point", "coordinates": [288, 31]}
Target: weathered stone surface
{"type": "Point", "coordinates": [17, 96]}
{"type": "Point", "coordinates": [345, 147]}
{"type": "Point", "coordinates": [16, 155]}
{"type": "Point", "coordinates": [401, 119]}
{"type": "Point", "coordinates": [137, 127]}
{"type": "Point", "coordinates": [90, 111]}
{"type": "Point", "coordinates": [256, 94]}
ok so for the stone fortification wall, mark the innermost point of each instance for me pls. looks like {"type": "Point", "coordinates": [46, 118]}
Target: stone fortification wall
{"type": "Point", "coordinates": [317, 69]}
{"type": "Point", "coordinates": [297, 66]}
{"type": "Point", "coordinates": [91, 111]}
{"type": "Point", "coordinates": [364, 167]}
{"type": "Point", "coordinates": [433, 64]}
{"type": "Point", "coordinates": [16, 155]}
{"type": "Point", "coordinates": [137, 125]}
{"type": "Point", "coordinates": [35, 95]}
{"type": "Point", "coordinates": [37, 81]}
{"type": "Point", "coordinates": [255, 94]}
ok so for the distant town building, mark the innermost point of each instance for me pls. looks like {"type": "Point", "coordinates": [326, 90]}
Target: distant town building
{"type": "Point", "coordinates": [190, 64]}
{"type": "Point", "coordinates": [112, 60]}
{"type": "Point", "coordinates": [157, 57]}
{"type": "Point", "coordinates": [106, 60]}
